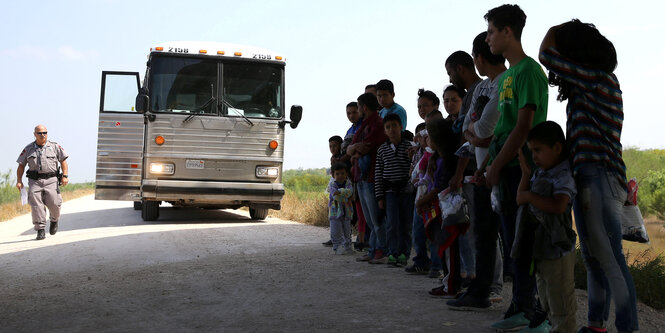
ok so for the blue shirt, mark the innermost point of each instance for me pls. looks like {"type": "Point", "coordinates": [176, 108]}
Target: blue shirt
{"type": "Point", "coordinates": [399, 110]}
{"type": "Point", "coordinates": [561, 178]}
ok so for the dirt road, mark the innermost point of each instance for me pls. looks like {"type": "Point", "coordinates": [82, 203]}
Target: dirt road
{"type": "Point", "coordinates": [196, 270]}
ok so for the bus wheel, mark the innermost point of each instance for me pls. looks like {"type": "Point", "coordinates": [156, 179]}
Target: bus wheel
{"type": "Point", "coordinates": [137, 205]}
{"type": "Point", "coordinates": [150, 210]}
{"type": "Point", "coordinates": [258, 213]}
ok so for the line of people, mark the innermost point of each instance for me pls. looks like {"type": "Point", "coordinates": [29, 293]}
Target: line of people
{"type": "Point", "coordinates": [519, 176]}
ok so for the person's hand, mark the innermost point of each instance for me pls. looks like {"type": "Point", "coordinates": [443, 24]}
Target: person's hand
{"type": "Point", "coordinates": [412, 151]}
{"type": "Point", "coordinates": [479, 177]}
{"type": "Point", "coordinates": [382, 204]}
{"type": "Point", "coordinates": [455, 181]}
{"type": "Point", "coordinates": [19, 185]}
{"type": "Point", "coordinates": [336, 193]}
{"type": "Point", "coordinates": [419, 205]}
{"type": "Point", "coordinates": [524, 165]}
{"type": "Point", "coordinates": [65, 181]}
{"type": "Point", "coordinates": [492, 176]}
{"type": "Point", "coordinates": [522, 197]}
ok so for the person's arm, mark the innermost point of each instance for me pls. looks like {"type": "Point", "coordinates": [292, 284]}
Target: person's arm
{"type": "Point", "coordinates": [427, 198]}
{"type": "Point", "coordinates": [378, 181]}
{"type": "Point", "coordinates": [65, 171]}
{"type": "Point", "coordinates": [456, 179]}
{"type": "Point", "coordinates": [513, 144]}
{"type": "Point", "coordinates": [19, 176]}
{"type": "Point", "coordinates": [549, 39]}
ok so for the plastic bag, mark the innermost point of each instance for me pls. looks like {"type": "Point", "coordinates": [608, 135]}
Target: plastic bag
{"type": "Point", "coordinates": [632, 223]}
{"type": "Point", "coordinates": [24, 196]}
{"type": "Point", "coordinates": [495, 198]}
{"type": "Point", "coordinates": [453, 207]}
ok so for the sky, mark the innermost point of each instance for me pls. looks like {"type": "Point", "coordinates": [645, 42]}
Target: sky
{"type": "Point", "coordinates": [53, 54]}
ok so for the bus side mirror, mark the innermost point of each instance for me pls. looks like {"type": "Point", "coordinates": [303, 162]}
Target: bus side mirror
{"type": "Point", "coordinates": [296, 115]}
{"type": "Point", "coordinates": [142, 101]}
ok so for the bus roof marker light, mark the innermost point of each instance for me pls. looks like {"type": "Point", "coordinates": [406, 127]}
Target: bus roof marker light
{"type": "Point", "coordinates": [238, 54]}
{"type": "Point", "coordinates": [273, 144]}
{"type": "Point", "coordinates": [221, 52]}
{"type": "Point", "coordinates": [159, 48]}
{"type": "Point", "coordinates": [203, 51]}
{"type": "Point", "coordinates": [278, 58]}
{"type": "Point", "coordinates": [159, 140]}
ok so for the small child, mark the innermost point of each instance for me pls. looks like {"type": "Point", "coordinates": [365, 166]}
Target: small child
{"type": "Point", "coordinates": [340, 209]}
{"type": "Point", "coordinates": [335, 145]}
{"type": "Point", "coordinates": [544, 226]}
{"type": "Point", "coordinates": [393, 191]}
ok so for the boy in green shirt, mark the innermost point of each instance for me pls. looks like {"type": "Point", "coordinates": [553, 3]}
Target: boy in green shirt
{"type": "Point", "coordinates": [522, 104]}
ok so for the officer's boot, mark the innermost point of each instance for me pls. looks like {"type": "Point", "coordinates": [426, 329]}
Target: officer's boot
{"type": "Point", "coordinates": [53, 228]}
{"type": "Point", "coordinates": [41, 234]}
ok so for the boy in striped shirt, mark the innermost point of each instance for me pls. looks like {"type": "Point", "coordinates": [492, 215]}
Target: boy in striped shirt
{"type": "Point", "coordinates": [393, 191]}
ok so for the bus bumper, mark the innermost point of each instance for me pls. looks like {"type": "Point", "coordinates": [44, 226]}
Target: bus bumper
{"type": "Point", "coordinates": [255, 195]}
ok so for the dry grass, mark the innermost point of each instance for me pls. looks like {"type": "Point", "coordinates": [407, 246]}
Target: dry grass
{"type": "Point", "coordinates": [311, 208]}
{"type": "Point", "coordinates": [11, 210]}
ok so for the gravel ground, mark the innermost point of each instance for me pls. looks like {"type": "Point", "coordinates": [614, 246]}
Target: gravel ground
{"type": "Point", "coordinates": [205, 270]}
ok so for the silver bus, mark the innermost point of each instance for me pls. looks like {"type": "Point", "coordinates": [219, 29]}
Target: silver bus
{"type": "Point", "coordinates": [206, 129]}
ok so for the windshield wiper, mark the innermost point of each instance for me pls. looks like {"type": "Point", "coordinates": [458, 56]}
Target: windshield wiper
{"type": "Point", "coordinates": [201, 109]}
{"type": "Point", "coordinates": [231, 107]}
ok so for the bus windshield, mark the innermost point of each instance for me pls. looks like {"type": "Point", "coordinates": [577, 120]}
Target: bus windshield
{"type": "Point", "coordinates": [183, 85]}
{"type": "Point", "coordinates": [252, 90]}
{"type": "Point", "coordinates": [189, 85]}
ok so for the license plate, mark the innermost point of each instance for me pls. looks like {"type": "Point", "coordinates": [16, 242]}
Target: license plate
{"type": "Point", "coordinates": [195, 164]}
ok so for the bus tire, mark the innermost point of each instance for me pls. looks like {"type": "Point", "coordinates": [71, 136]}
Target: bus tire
{"type": "Point", "coordinates": [150, 210]}
{"type": "Point", "coordinates": [258, 213]}
{"type": "Point", "coordinates": [137, 205]}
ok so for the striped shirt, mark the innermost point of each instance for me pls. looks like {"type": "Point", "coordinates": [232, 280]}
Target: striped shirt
{"type": "Point", "coordinates": [594, 113]}
{"type": "Point", "coordinates": [392, 168]}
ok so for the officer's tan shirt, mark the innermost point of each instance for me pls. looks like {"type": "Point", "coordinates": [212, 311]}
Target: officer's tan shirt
{"type": "Point", "coordinates": [42, 159]}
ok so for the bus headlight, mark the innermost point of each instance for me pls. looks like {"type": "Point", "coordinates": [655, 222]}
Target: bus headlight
{"type": "Point", "coordinates": [267, 172]}
{"type": "Point", "coordinates": [162, 168]}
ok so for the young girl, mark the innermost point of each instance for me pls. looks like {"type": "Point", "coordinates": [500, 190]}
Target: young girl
{"type": "Point", "coordinates": [581, 62]}
{"type": "Point", "coordinates": [442, 166]}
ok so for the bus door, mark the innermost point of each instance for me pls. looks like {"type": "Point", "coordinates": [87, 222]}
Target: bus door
{"type": "Point", "coordinates": [119, 139]}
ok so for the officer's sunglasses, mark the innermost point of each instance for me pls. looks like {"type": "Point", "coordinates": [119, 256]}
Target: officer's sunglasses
{"type": "Point", "coordinates": [41, 133]}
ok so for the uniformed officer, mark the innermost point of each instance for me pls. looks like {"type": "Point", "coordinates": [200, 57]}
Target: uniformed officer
{"type": "Point", "coordinates": [42, 157]}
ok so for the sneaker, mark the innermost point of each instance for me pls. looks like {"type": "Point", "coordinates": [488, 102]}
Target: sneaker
{"type": "Point", "coordinates": [358, 246]}
{"type": "Point", "coordinates": [515, 322]}
{"type": "Point", "coordinates": [434, 273]}
{"type": "Point", "coordinates": [415, 269]}
{"type": "Point", "coordinates": [366, 257]}
{"type": "Point", "coordinates": [401, 260]}
{"type": "Point", "coordinates": [440, 292]}
{"type": "Point", "coordinates": [392, 260]}
{"type": "Point", "coordinates": [468, 302]}
{"type": "Point", "coordinates": [495, 297]}
{"type": "Point", "coordinates": [379, 260]}
{"type": "Point", "coordinates": [344, 251]}
{"type": "Point", "coordinates": [328, 243]}
{"type": "Point", "coordinates": [544, 327]}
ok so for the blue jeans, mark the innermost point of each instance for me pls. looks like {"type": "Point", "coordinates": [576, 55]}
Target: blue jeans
{"type": "Point", "coordinates": [598, 211]}
{"type": "Point", "coordinates": [398, 223]}
{"type": "Point", "coordinates": [467, 249]}
{"type": "Point", "coordinates": [420, 245]}
{"type": "Point", "coordinates": [373, 217]}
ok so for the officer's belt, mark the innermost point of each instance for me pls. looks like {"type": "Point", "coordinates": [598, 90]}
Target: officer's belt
{"type": "Point", "coordinates": [34, 175]}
